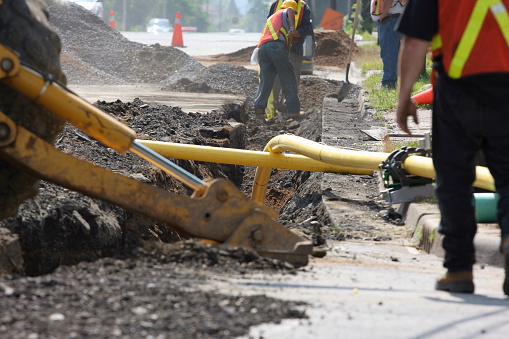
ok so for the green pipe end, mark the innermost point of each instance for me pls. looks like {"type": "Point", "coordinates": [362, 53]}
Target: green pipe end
{"type": "Point", "coordinates": [485, 207]}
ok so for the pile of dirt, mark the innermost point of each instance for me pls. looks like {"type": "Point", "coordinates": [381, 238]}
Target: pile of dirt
{"type": "Point", "coordinates": [331, 50]}
{"type": "Point", "coordinates": [93, 52]}
{"type": "Point", "coordinates": [218, 78]}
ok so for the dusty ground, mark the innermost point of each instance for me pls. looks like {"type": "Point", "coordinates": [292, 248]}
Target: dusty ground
{"type": "Point", "coordinates": [93, 270]}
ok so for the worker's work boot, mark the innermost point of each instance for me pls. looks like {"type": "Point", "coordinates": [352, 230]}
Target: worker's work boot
{"type": "Point", "coordinates": [456, 282]}
{"type": "Point", "coordinates": [505, 252]}
{"type": "Point", "coordinates": [260, 114]}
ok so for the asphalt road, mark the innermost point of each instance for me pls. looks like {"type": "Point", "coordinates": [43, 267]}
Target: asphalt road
{"type": "Point", "coordinates": [198, 44]}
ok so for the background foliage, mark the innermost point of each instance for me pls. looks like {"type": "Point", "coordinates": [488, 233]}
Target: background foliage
{"type": "Point", "coordinates": [214, 15]}
{"type": "Point", "coordinates": [133, 15]}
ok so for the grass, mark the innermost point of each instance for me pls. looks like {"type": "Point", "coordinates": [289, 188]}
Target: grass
{"type": "Point", "coordinates": [369, 58]}
{"type": "Point", "coordinates": [382, 99]}
{"type": "Point", "coordinates": [389, 145]}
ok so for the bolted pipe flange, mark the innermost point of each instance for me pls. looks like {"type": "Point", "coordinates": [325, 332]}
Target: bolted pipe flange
{"type": "Point", "coordinates": [392, 167]}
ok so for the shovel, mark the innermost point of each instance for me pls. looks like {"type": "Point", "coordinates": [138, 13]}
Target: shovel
{"type": "Point", "coordinates": [345, 89]}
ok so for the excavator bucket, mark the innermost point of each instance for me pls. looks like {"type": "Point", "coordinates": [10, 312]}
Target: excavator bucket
{"type": "Point", "coordinates": [217, 211]}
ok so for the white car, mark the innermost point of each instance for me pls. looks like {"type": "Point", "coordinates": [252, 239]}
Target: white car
{"type": "Point", "coordinates": [158, 25]}
{"type": "Point", "coordinates": [95, 6]}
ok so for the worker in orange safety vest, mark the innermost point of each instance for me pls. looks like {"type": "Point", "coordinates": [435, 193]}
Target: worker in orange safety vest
{"type": "Point", "coordinates": [470, 42]}
{"type": "Point", "coordinates": [274, 60]}
{"type": "Point", "coordinates": [303, 28]}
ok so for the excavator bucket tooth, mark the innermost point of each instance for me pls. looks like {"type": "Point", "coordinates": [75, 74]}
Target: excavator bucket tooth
{"type": "Point", "coordinates": [270, 239]}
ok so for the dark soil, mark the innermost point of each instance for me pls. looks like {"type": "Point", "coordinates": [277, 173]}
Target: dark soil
{"type": "Point", "coordinates": [91, 269]}
{"type": "Point", "coordinates": [331, 50]}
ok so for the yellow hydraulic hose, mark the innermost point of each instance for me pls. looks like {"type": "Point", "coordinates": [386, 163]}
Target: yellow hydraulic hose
{"type": "Point", "coordinates": [246, 157]}
{"type": "Point", "coordinates": [484, 179]}
{"type": "Point", "coordinates": [415, 165]}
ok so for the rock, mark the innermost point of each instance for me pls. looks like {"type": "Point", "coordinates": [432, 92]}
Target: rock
{"type": "Point", "coordinates": [11, 259]}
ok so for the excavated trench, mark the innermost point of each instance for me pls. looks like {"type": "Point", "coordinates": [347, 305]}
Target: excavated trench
{"type": "Point", "coordinates": [64, 227]}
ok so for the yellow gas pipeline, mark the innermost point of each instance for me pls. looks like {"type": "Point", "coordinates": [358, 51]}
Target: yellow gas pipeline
{"type": "Point", "coordinates": [246, 157]}
{"type": "Point", "coordinates": [415, 165]}
{"type": "Point", "coordinates": [316, 151]}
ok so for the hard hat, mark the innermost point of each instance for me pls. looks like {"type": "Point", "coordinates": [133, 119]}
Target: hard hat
{"type": "Point", "coordinates": [289, 4]}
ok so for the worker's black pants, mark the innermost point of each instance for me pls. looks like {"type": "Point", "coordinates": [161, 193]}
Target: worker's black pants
{"type": "Point", "coordinates": [463, 125]}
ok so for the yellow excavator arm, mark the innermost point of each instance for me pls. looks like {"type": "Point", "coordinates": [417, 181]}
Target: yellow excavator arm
{"type": "Point", "coordinates": [217, 210]}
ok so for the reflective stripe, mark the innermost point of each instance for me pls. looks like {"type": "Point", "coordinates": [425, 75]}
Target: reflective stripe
{"type": "Point", "coordinates": [278, 7]}
{"type": "Point", "coordinates": [375, 8]}
{"type": "Point", "coordinates": [272, 30]}
{"type": "Point", "coordinates": [473, 29]}
{"type": "Point", "coordinates": [274, 34]}
{"type": "Point", "coordinates": [299, 14]}
{"type": "Point", "coordinates": [285, 34]}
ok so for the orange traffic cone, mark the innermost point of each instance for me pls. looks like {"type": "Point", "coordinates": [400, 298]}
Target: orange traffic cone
{"type": "Point", "coordinates": [112, 21]}
{"type": "Point", "coordinates": [425, 97]}
{"type": "Point", "coordinates": [177, 33]}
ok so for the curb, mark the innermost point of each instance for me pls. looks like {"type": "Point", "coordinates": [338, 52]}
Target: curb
{"type": "Point", "coordinates": [424, 220]}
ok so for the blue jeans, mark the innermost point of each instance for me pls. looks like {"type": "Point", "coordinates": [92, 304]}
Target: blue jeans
{"type": "Point", "coordinates": [296, 60]}
{"type": "Point", "coordinates": [462, 126]}
{"type": "Point", "coordinates": [274, 60]}
{"type": "Point", "coordinates": [389, 49]}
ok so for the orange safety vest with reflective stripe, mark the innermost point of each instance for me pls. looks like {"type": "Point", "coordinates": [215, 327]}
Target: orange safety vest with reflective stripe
{"type": "Point", "coordinates": [377, 4]}
{"type": "Point", "coordinates": [273, 27]}
{"type": "Point", "coordinates": [473, 36]}
{"type": "Point", "coordinates": [299, 14]}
